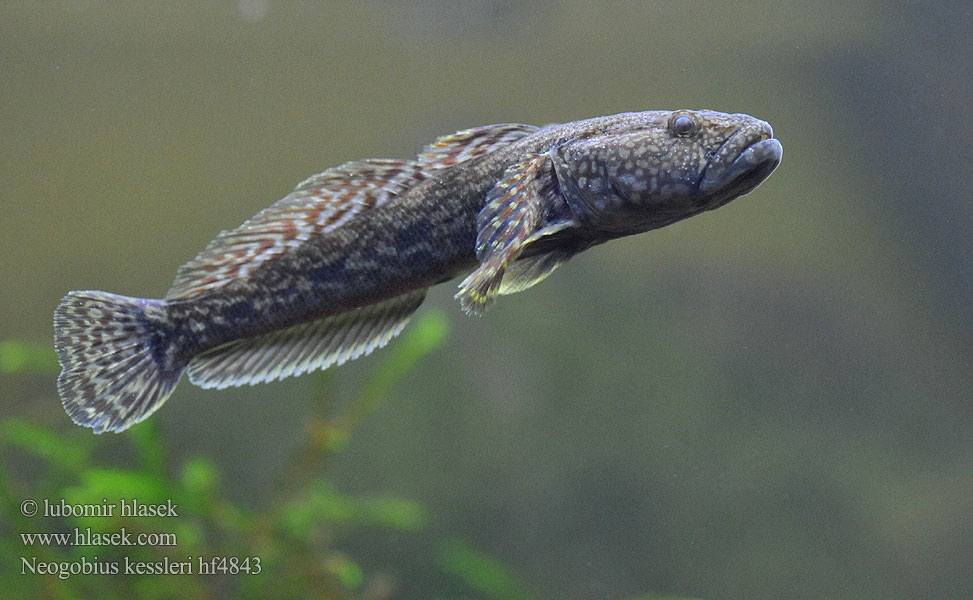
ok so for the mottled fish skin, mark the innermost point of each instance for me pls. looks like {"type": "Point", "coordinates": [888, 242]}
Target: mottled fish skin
{"type": "Point", "coordinates": [335, 269]}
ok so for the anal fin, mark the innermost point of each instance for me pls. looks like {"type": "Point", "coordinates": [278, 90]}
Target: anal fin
{"type": "Point", "coordinates": [306, 347]}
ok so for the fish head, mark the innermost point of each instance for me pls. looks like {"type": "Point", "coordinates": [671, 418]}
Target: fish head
{"type": "Point", "coordinates": [663, 166]}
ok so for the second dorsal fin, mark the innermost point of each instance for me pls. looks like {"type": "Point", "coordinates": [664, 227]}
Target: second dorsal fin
{"type": "Point", "coordinates": [463, 145]}
{"type": "Point", "coordinates": [317, 205]}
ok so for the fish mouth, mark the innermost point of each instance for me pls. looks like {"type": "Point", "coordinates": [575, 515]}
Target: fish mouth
{"type": "Point", "coordinates": [744, 160]}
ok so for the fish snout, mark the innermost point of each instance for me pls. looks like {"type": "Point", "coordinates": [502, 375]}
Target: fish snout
{"type": "Point", "coordinates": [741, 163]}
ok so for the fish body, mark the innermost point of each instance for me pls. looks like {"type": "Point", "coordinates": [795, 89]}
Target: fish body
{"type": "Point", "coordinates": [335, 269]}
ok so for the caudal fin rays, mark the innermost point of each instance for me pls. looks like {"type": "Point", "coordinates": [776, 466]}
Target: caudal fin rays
{"type": "Point", "coordinates": [109, 378]}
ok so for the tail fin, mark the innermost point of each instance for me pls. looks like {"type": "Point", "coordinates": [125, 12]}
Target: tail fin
{"type": "Point", "coordinates": [109, 379]}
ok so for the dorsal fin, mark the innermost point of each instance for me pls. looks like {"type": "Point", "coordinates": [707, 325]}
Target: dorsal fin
{"type": "Point", "coordinates": [449, 150]}
{"type": "Point", "coordinates": [306, 347]}
{"type": "Point", "coordinates": [317, 205]}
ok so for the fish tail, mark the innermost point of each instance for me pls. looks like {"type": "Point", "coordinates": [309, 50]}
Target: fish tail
{"type": "Point", "coordinates": [111, 377]}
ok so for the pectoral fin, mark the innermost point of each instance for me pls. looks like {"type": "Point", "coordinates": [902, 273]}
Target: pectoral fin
{"type": "Point", "coordinates": [513, 213]}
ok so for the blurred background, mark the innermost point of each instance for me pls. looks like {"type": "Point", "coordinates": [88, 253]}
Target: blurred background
{"type": "Point", "coordinates": [771, 400]}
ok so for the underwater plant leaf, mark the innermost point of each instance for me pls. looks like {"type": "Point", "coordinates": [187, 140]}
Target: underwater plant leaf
{"type": "Point", "coordinates": [395, 513]}
{"type": "Point", "coordinates": [27, 357]}
{"type": "Point", "coordinates": [15, 588]}
{"type": "Point", "coordinates": [324, 505]}
{"type": "Point", "coordinates": [7, 501]}
{"type": "Point", "coordinates": [116, 484]}
{"type": "Point", "coordinates": [200, 481]}
{"type": "Point", "coordinates": [346, 571]}
{"type": "Point", "coordinates": [199, 476]}
{"type": "Point", "coordinates": [148, 442]}
{"type": "Point", "coordinates": [480, 571]}
{"type": "Point", "coordinates": [416, 343]}
{"type": "Point", "coordinates": [71, 455]}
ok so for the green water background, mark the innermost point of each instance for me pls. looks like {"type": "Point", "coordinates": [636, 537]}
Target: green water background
{"type": "Point", "coordinates": [771, 400]}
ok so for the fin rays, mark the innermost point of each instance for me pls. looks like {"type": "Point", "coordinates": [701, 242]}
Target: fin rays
{"type": "Point", "coordinates": [109, 380]}
{"type": "Point", "coordinates": [525, 273]}
{"type": "Point", "coordinates": [114, 374]}
{"type": "Point", "coordinates": [319, 204]}
{"type": "Point", "coordinates": [305, 347]}
{"type": "Point", "coordinates": [512, 212]}
{"type": "Point", "coordinates": [464, 145]}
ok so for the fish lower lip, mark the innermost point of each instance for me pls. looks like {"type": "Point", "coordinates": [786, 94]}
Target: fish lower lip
{"type": "Point", "coordinates": [754, 164]}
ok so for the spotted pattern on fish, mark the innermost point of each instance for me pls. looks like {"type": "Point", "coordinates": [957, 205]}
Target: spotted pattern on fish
{"type": "Point", "coordinates": [334, 269]}
{"type": "Point", "coordinates": [317, 205]}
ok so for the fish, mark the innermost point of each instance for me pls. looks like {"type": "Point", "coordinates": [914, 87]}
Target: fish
{"type": "Point", "coordinates": [336, 268]}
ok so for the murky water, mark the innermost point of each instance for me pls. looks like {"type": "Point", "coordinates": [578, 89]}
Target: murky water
{"type": "Point", "coordinates": [771, 400]}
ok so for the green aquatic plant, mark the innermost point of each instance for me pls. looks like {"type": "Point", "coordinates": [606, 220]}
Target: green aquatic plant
{"type": "Point", "coordinates": [282, 549]}
{"type": "Point", "coordinates": [289, 547]}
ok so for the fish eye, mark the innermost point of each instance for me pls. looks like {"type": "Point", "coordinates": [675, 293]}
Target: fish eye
{"type": "Point", "coordinates": [682, 125]}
